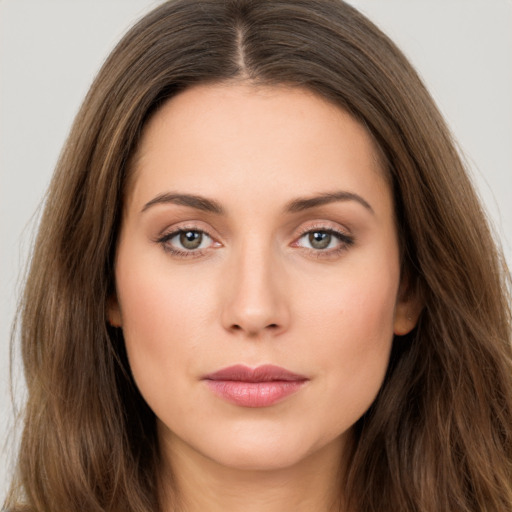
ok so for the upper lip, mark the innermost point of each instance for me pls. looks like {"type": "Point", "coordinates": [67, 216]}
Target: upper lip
{"type": "Point", "coordinates": [264, 373]}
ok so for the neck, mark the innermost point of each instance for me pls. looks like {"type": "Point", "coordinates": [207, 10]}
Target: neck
{"type": "Point", "coordinates": [194, 483]}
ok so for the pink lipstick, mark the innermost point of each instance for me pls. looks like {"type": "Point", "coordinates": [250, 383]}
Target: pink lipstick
{"type": "Point", "coordinates": [254, 387]}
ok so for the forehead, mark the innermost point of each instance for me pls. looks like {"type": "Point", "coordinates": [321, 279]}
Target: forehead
{"type": "Point", "coordinates": [210, 137]}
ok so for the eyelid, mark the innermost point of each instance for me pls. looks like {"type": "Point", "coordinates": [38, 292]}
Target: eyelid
{"type": "Point", "coordinates": [346, 239]}
{"type": "Point", "coordinates": [344, 236]}
{"type": "Point", "coordinates": [319, 225]}
{"type": "Point", "coordinates": [188, 225]}
{"type": "Point", "coordinates": [164, 237]}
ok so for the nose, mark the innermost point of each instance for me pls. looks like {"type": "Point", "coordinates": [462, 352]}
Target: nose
{"type": "Point", "coordinates": [256, 302]}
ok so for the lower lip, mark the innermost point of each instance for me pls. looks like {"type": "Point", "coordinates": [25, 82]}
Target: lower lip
{"type": "Point", "coordinates": [254, 394]}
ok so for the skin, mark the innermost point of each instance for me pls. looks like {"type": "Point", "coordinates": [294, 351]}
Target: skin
{"type": "Point", "coordinates": [257, 291]}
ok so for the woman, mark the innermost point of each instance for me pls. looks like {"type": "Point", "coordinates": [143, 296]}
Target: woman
{"type": "Point", "coordinates": [263, 282]}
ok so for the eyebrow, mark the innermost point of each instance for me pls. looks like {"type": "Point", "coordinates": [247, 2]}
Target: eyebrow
{"type": "Point", "coordinates": [297, 205]}
{"type": "Point", "coordinates": [301, 204]}
{"type": "Point", "coordinates": [193, 201]}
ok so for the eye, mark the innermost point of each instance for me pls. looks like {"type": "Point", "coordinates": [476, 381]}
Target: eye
{"type": "Point", "coordinates": [324, 240]}
{"type": "Point", "coordinates": [320, 239]}
{"type": "Point", "coordinates": [186, 241]}
{"type": "Point", "coordinates": [190, 240]}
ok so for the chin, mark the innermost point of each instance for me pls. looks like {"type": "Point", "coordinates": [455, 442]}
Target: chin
{"type": "Point", "coordinates": [266, 450]}
{"type": "Point", "coordinates": [261, 458]}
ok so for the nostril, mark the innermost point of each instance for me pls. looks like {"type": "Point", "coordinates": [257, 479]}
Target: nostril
{"type": "Point", "coordinates": [238, 327]}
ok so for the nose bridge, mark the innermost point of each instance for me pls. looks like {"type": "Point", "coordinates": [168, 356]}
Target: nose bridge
{"type": "Point", "coordinates": [255, 301]}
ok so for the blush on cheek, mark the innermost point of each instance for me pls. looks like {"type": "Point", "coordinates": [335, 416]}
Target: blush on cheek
{"type": "Point", "coordinates": [162, 322]}
{"type": "Point", "coordinates": [357, 340]}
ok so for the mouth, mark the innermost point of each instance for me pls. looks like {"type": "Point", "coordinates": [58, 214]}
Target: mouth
{"type": "Point", "coordinates": [254, 387]}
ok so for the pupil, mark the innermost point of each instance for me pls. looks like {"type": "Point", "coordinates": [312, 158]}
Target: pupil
{"type": "Point", "coordinates": [319, 239]}
{"type": "Point", "coordinates": [191, 239]}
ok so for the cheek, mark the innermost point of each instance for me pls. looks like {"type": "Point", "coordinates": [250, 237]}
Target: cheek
{"type": "Point", "coordinates": [163, 318]}
{"type": "Point", "coordinates": [356, 303]}
{"type": "Point", "coordinates": [354, 333]}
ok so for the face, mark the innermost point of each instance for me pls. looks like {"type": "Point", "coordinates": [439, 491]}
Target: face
{"type": "Point", "coordinates": [257, 274]}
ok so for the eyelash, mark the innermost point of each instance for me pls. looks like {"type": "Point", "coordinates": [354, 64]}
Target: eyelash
{"type": "Point", "coordinates": [345, 241]}
{"type": "Point", "coordinates": [192, 253]}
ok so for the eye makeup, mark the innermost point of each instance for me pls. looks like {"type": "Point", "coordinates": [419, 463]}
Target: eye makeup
{"type": "Point", "coordinates": [320, 240]}
{"type": "Point", "coordinates": [187, 242]}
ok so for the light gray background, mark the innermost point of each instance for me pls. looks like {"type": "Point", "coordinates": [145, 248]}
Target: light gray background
{"type": "Point", "coordinates": [50, 51]}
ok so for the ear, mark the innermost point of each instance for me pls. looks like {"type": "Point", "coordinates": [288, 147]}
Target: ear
{"type": "Point", "coordinates": [113, 311]}
{"type": "Point", "coordinates": [408, 308]}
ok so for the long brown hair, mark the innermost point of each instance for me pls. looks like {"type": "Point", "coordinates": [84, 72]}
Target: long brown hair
{"type": "Point", "coordinates": [439, 435]}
